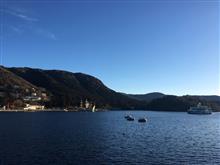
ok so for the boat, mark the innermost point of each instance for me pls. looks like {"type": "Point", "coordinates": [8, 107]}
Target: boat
{"type": "Point", "coordinates": [200, 109]}
{"type": "Point", "coordinates": [129, 118]}
{"type": "Point", "coordinates": [142, 120]}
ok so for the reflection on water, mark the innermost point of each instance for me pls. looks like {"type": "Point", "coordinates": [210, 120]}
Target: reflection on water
{"type": "Point", "coordinates": [106, 137]}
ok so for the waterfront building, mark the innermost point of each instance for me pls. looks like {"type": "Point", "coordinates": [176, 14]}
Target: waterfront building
{"type": "Point", "coordinates": [87, 104]}
{"type": "Point", "coordinates": [81, 104]}
{"type": "Point", "coordinates": [34, 107]}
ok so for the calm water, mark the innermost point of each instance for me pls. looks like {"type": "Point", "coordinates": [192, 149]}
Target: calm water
{"type": "Point", "coordinates": [107, 138]}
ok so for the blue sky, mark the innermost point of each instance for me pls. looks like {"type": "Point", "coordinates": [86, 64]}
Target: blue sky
{"type": "Point", "coordinates": [132, 46]}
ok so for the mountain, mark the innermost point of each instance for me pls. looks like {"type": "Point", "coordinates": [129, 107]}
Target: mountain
{"type": "Point", "coordinates": [161, 102]}
{"type": "Point", "coordinates": [13, 87]}
{"type": "Point", "coordinates": [11, 80]}
{"type": "Point", "coordinates": [146, 97]}
{"type": "Point", "coordinates": [67, 89]}
{"type": "Point", "coordinates": [213, 98]}
{"type": "Point", "coordinates": [57, 88]}
{"type": "Point", "coordinates": [180, 103]}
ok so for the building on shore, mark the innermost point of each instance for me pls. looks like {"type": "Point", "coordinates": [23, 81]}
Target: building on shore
{"type": "Point", "coordinates": [34, 107]}
{"type": "Point", "coordinates": [87, 106]}
{"type": "Point", "coordinates": [81, 104]}
{"type": "Point", "coordinates": [32, 98]}
{"type": "Point", "coordinates": [3, 108]}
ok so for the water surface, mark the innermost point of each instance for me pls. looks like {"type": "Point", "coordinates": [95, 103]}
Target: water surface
{"type": "Point", "coordinates": [107, 138]}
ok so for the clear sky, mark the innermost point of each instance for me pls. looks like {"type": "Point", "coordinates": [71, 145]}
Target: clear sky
{"type": "Point", "coordinates": [133, 46]}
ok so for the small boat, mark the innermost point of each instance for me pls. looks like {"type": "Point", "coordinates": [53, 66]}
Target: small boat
{"type": "Point", "coordinates": [129, 118]}
{"type": "Point", "coordinates": [142, 120]}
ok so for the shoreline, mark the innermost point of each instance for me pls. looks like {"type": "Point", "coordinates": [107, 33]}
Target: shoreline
{"type": "Point", "coordinates": [103, 110]}
{"type": "Point", "coordinates": [50, 110]}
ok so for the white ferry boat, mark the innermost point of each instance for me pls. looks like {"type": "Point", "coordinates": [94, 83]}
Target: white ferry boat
{"type": "Point", "coordinates": [200, 109]}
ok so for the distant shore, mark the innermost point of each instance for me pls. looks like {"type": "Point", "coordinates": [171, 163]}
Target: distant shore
{"type": "Point", "coordinates": [100, 110]}
{"type": "Point", "coordinates": [51, 110]}
{"type": "Point", "coordinates": [46, 110]}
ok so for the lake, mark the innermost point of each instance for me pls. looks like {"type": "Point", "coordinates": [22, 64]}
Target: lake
{"type": "Point", "coordinates": [107, 138]}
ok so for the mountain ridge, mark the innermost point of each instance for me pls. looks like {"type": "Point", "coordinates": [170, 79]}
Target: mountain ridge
{"type": "Point", "coordinates": [69, 88]}
{"type": "Point", "coordinates": [66, 89]}
{"type": "Point", "coordinates": [146, 97]}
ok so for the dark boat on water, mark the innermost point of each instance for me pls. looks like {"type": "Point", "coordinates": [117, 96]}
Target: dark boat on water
{"type": "Point", "coordinates": [129, 118]}
{"type": "Point", "coordinates": [142, 120]}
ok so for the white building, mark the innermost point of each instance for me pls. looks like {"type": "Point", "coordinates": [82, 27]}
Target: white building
{"type": "Point", "coordinates": [3, 108]}
{"type": "Point", "coordinates": [87, 104]}
{"type": "Point", "coordinates": [34, 107]}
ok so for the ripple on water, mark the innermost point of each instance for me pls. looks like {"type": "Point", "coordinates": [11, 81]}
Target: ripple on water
{"type": "Point", "coordinates": [107, 138]}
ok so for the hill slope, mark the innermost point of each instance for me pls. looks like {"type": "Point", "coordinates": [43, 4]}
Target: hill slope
{"type": "Point", "coordinates": [13, 87]}
{"type": "Point", "coordinates": [68, 88]}
{"type": "Point", "coordinates": [11, 80]}
{"type": "Point", "coordinates": [147, 97]}
{"type": "Point", "coordinates": [180, 103]}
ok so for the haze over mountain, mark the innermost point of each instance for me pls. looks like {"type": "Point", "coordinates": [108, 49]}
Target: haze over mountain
{"type": "Point", "coordinates": [66, 89]}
